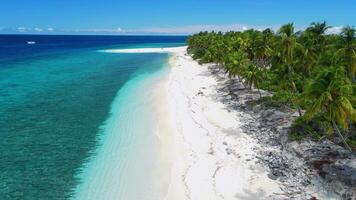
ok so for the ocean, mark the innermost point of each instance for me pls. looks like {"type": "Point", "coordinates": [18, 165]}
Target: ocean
{"type": "Point", "coordinates": [71, 116]}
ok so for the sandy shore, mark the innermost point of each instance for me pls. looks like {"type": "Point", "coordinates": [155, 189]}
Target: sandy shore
{"type": "Point", "coordinates": [218, 157]}
{"type": "Point", "coordinates": [215, 148]}
{"type": "Point", "coordinates": [210, 156]}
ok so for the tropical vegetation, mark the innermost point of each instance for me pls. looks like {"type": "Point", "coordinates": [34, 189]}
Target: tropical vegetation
{"type": "Point", "coordinates": [313, 71]}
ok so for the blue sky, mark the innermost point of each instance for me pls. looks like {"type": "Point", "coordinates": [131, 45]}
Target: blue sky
{"type": "Point", "coordinates": [166, 16]}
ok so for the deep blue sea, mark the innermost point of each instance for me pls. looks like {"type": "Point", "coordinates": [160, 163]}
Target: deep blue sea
{"type": "Point", "coordinates": [62, 100]}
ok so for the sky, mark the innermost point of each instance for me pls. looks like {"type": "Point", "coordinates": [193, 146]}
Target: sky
{"type": "Point", "coordinates": [167, 16]}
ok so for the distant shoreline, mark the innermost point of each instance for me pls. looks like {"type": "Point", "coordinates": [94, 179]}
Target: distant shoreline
{"type": "Point", "coordinates": [128, 35]}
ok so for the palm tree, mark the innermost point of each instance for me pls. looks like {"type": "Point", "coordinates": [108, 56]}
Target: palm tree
{"type": "Point", "coordinates": [253, 76]}
{"type": "Point", "coordinates": [235, 64]}
{"type": "Point", "coordinates": [288, 42]}
{"type": "Point", "coordinates": [318, 28]}
{"type": "Point", "coordinates": [306, 59]}
{"type": "Point", "coordinates": [331, 93]}
{"type": "Point", "coordinates": [317, 32]}
{"type": "Point", "coordinates": [267, 36]}
{"type": "Point", "coordinates": [262, 48]}
{"type": "Point", "coordinates": [349, 50]}
{"type": "Point", "coordinates": [286, 49]}
{"type": "Point", "coordinates": [286, 61]}
{"type": "Point", "coordinates": [312, 46]}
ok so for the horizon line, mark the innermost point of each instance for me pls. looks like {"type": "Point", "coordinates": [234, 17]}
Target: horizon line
{"type": "Point", "coordinates": [64, 34]}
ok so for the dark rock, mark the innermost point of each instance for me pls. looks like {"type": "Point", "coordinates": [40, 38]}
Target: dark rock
{"type": "Point", "coordinates": [276, 115]}
{"type": "Point", "coordinates": [343, 170]}
{"type": "Point", "coordinates": [349, 194]}
{"type": "Point", "coordinates": [271, 176]}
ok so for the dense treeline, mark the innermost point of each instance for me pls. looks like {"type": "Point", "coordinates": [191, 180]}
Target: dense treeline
{"type": "Point", "coordinates": [307, 70]}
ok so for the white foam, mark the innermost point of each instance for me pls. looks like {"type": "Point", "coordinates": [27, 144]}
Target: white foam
{"type": "Point", "coordinates": [147, 50]}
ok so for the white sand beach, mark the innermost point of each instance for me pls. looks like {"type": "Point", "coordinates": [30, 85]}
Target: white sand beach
{"type": "Point", "coordinates": [218, 155]}
{"type": "Point", "coordinates": [210, 156]}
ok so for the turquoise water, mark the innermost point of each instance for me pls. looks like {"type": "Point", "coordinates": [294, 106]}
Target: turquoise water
{"type": "Point", "coordinates": [125, 165]}
{"type": "Point", "coordinates": [58, 112]}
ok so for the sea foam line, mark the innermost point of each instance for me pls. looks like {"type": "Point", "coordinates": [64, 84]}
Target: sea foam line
{"type": "Point", "coordinates": [147, 50]}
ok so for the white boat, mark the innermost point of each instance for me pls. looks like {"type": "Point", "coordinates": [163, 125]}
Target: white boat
{"type": "Point", "coordinates": [31, 42]}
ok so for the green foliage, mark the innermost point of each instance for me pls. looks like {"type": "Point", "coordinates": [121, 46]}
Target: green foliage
{"type": "Point", "coordinates": [253, 75]}
{"type": "Point", "coordinates": [281, 100]}
{"type": "Point", "coordinates": [349, 51]}
{"type": "Point", "coordinates": [352, 143]}
{"type": "Point", "coordinates": [302, 128]}
{"type": "Point", "coordinates": [235, 63]}
{"type": "Point", "coordinates": [306, 69]}
{"type": "Point", "coordinates": [331, 93]}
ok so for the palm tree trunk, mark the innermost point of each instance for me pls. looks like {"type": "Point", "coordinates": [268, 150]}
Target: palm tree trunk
{"type": "Point", "coordinates": [294, 93]}
{"type": "Point", "coordinates": [259, 92]}
{"type": "Point", "coordinates": [240, 80]}
{"type": "Point", "coordinates": [299, 111]}
{"type": "Point", "coordinates": [341, 136]}
{"type": "Point", "coordinates": [294, 89]}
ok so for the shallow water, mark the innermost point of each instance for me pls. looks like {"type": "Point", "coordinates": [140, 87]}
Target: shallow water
{"type": "Point", "coordinates": [59, 109]}
{"type": "Point", "coordinates": [126, 163]}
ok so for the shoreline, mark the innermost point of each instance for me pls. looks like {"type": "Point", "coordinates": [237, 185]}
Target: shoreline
{"type": "Point", "coordinates": [216, 148]}
{"type": "Point", "coordinates": [215, 163]}
{"type": "Point", "coordinates": [128, 149]}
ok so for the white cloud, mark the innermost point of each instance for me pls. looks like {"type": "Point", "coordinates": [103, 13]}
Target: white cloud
{"type": "Point", "coordinates": [100, 30]}
{"type": "Point", "coordinates": [197, 28]}
{"type": "Point", "coordinates": [190, 29]}
{"type": "Point", "coordinates": [179, 30]}
{"type": "Point", "coordinates": [38, 29]}
{"type": "Point", "coordinates": [21, 29]}
{"type": "Point", "coordinates": [334, 30]}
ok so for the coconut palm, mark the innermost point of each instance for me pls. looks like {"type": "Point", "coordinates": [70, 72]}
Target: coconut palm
{"type": "Point", "coordinates": [332, 93]}
{"type": "Point", "coordinates": [318, 28]}
{"type": "Point", "coordinates": [312, 46]}
{"type": "Point", "coordinates": [235, 63]}
{"type": "Point", "coordinates": [253, 76]}
{"type": "Point", "coordinates": [267, 36]}
{"type": "Point", "coordinates": [286, 52]}
{"type": "Point", "coordinates": [312, 69]}
{"type": "Point", "coordinates": [262, 48]}
{"type": "Point", "coordinates": [349, 51]}
{"type": "Point", "coordinates": [317, 32]}
{"type": "Point", "coordinates": [306, 58]}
